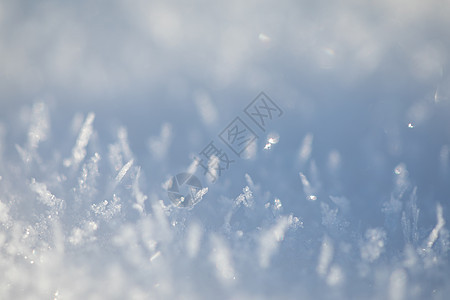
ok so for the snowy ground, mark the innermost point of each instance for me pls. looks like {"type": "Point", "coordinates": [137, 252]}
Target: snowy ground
{"type": "Point", "coordinates": [343, 195]}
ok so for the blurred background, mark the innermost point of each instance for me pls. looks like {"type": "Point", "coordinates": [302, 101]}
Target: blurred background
{"type": "Point", "coordinates": [107, 100]}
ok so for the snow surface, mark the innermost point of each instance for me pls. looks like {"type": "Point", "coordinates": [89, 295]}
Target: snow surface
{"type": "Point", "coordinates": [345, 195]}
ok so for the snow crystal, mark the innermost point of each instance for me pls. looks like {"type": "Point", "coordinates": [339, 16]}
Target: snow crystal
{"type": "Point", "coordinates": [79, 150]}
{"type": "Point", "coordinates": [220, 257]}
{"type": "Point", "coordinates": [123, 171]}
{"type": "Point", "coordinates": [334, 160]}
{"type": "Point", "coordinates": [410, 218]}
{"type": "Point", "coordinates": [335, 276]}
{"type": "Point", "coordinates": [193, 239]}
{"type": "Point", "coordinates": [123, 142]}
{"type": "Point", "coordinates": [306, 148]}
{"type": "Point", "coordinates": [397, 284]}
{"type": "Point", "coordinates": [106, 209]}
{"type": "Point", "coordinates": [88, 178]}
{"type": "Point", "coordinates": [325, 257]}
{"type": "Point", "coordinates": [39, 126]}
{"type": "Point", "coordinates": [411, 258]}
{"type": "Point", "coordinates": [199, 195]}
{"type": "Point", "coordinates": [137, 193]}
{"type": "Point", "coordinates": [155, 256]}
{"type": "Point", "coordinates": [37, 132]}
{"type": "Point", "coordinates": [120, 151]}
{"type": "Point", "coordinates": [373, 245]}
{"type": "Point", "coordinates": [272, 139]}
{"type": "Point", "coordinates": [277, 204]}
{"type": "Point", "coordinates": [269, 239]}
{"type": "Point", "coordinates": [44, 195]}
{"type": "Point", "coordinates": [206, 108]}
{"type": "Point", "coordinates": [250, 151]}
{"type": "Point", "coordinates": [440, 224]}
{"type": "Point", "coordinates": [83, 234]}
{"type": "Point", "coordinates": [329, 215]}
{"type": "Point", "coordinates": [245, 198]}
{"type": "Point", "coordinates": [213, 168]}
{"type": "Point", "coordinates": [249, 181]}
{"type": "Point", "coordinates": [308, 190]}
{"type": "Point", "coordinates": [159, 145]}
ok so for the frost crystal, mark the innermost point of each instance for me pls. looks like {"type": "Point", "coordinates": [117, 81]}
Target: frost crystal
{"type": "Point", "coordinates": [79, 151]}
{"type": "Point", "coordinates": [351, 203]}
{"type": "Point", "coordinates": [325, 257]}
{"type": "Point", "coordinates": [373, 245]}
{"type": "Point", "coordinates": [220, 256]}
{"type": "Point", "coordinates": [270, 239]}
{"type": "Point", "coordinates": [245, 198]}
{"type": "Point", "coordinates": [440, 224]}
{"type": "Point", "coordinates": [307, 188]}
{"type": "Point", "coordinates": [306, 148]}
{"type": "Point", "coordinates": [44, 195]}
{"type": "Point", "coordinates": [107, 210]}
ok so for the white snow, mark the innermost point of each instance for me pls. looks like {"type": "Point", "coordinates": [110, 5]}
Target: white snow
{"type": "Point", "coordinates": [159, 145]}
{"type": "Point", "coordinates": [306, 148]}
{"type": "Point", "coordinates": [193, 239]}
{"type": "Point", "coordinates": [325, 257]}
{"type": "Point", "coordinates": [439, 225]}
{"type": "Point", "coordinates": [220, 257]}
{"type": "Point", "coordinates": [397, 284]}
{"type": "Point", "coordinates": [123, 171]}
{"type": "Point", "coordinates": [79, 150]}
{"type": "Point", "coordinates": [206, 108]}
{"type": "Point", "coordinates": [308, 190]}
{"type": "Point", "coordinates": [102, 104]}
{"type": "Point", "coordinates": [270, 238]}
{"type": "Point", "coordinates": [44, 195]}
{"type": "Point", "coordinates": [373, 245]}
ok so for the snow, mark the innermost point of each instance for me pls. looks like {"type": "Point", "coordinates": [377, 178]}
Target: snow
{"type": "Point", "coordinates": [221, 258]}
{"type": "Point", "coordinates": [44, 195]}
{"type": "Point", "coordinates": [343, 195]}
{"type": "Point", "coordinates": [440, 224]}
{"type": "Point", "coordinates": [79, 150]}
{"type": "Point", "coordinates": [325, 257]}
{"type": "Point", "coordinates": [159, 145]}
{"type": "Point", "coordinates": [306, 148]}
{"type": "Point", "coordinates": [270, 239]}
{"type": "Point", "coordinates": [397, 284]}
{"type": "Point", "coordinates": [374, 244]}
{"type": "Point", "coordinates": [123, 171]}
